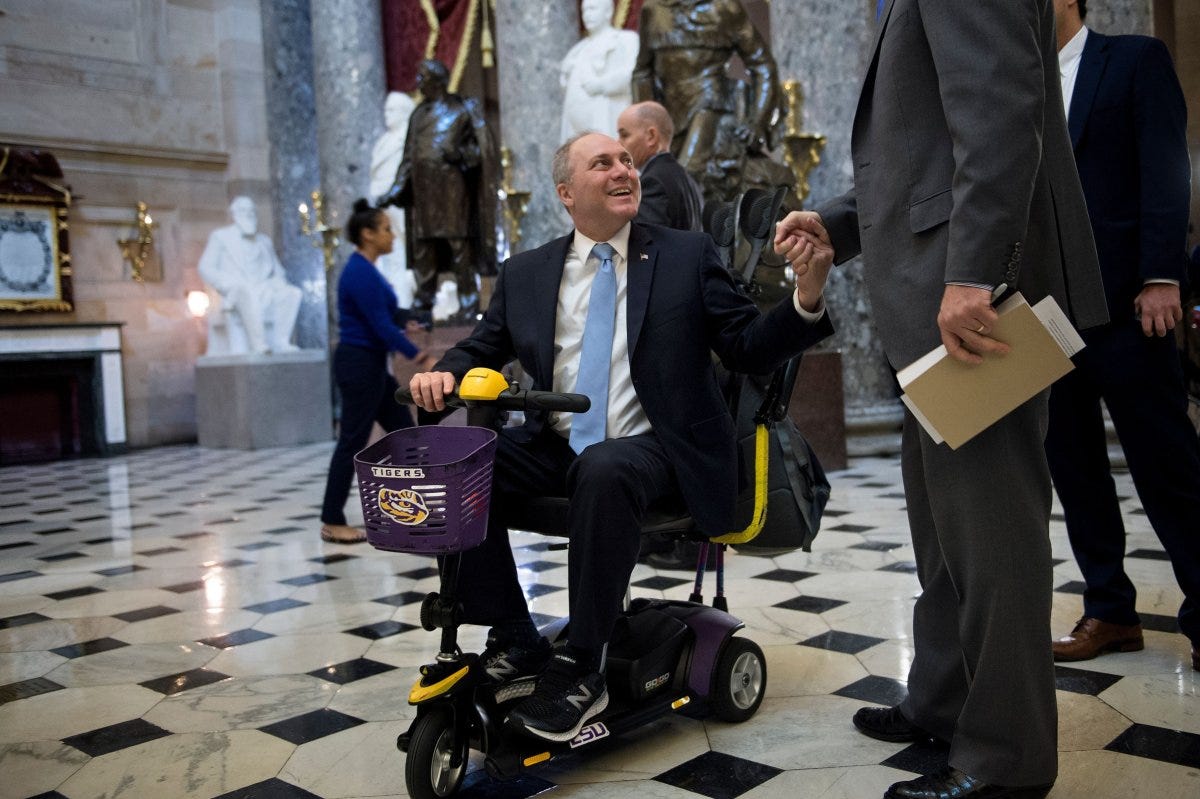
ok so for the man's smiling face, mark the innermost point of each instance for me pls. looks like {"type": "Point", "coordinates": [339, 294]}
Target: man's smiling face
{"type": "Point", "coordinates": [603, 192]}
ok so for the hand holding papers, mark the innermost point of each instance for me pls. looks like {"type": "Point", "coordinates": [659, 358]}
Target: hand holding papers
{"type": "Point", "coordinates": [954, 401]}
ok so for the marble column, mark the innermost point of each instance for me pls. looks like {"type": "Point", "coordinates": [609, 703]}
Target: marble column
{"type": "Point", "coordinates": [349, 84]}
{"type": "Point", "coordinates": [1120, 16]}
{"type": "Point", "coordinates": [294, 170]}
{"type": "Point", "coordinates": [825, 45]}
{"type": "Point", "coordinates": [531, 40]}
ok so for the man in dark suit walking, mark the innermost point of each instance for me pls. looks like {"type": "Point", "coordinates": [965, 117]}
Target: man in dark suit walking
{"type": "Point", "coordinates": [963, 183]}
{"type": "Point", "coordinates": [1128, 125]}
{"type": "Point", "coordinates": [630, 315]}
{"type": "Point", "coordinates": [669, 195]}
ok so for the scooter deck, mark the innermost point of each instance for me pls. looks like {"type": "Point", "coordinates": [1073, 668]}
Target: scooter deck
{"type": "Point", "coordinates": [515, 753]}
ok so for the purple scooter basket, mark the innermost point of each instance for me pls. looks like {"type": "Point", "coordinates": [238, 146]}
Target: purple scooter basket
{"type": "Point", "coordinates": [427, 489]}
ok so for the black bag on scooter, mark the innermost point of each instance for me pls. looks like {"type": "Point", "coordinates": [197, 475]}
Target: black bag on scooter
{"type": "Point", "coordinates": [643, 654]}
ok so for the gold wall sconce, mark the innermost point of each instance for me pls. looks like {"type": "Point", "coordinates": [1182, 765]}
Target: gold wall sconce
{"type": "Point", "coordinates": [513, 203]}
{"type": "Point", "coordinates": [801, 150]}
{"type": "Point", "coordinates": [314, 223]}
{"type": "Point", "coordinates": [139, 248]}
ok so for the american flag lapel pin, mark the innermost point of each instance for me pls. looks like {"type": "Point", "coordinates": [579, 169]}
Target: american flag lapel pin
{"type": "Point", "coordinates": [645, 257]}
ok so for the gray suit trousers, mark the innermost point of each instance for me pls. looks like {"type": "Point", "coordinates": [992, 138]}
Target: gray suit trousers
{"type": "Point", "coordinates": [983, 673]}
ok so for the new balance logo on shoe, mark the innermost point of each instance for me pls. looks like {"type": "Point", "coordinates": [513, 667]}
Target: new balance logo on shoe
{"type": "Point", "coordinates": [581, 700]}
{"type": "Point", "coordinates": [500, 669]}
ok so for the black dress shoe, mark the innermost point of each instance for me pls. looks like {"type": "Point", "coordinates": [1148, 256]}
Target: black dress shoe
{"type": "Point", "coordinates": [888, 724]}
{"type": "Point", "coordinates": [950, 783]}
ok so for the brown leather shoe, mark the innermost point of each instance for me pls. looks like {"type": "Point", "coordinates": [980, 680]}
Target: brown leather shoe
{"type": "Point", "coordinates": [1093, 637]}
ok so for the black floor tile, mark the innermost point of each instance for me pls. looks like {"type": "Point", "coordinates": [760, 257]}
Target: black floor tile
{"type": "Point", "coordinates": [55, 530]}
{"type": "Point", "coordinates": [900, 567]}
{"type": "Point", "coordinates": [1157, 743]}
{"type": "Point", "coordinates": [538, 589]}
{"type": "Point", "coordinates": [17, 545]}
{"type": "Point", "coordinates": [235, 638]}
{"type": "Point", "coordinates": [284, 530]}
{"type": "Point", "coordinates": [420, 574]}
{"type": "Point", "coordinates": [159, 551]}
{"type": "Point", "coordinates": [540, 565]}
{"type": "Point", "coordinates": [92, 647]}
{"type": "Point", "coordinates": [1082, 681]}
{"type": "Point", "coordinates": [401, 599]}
{"type": "Point", "coordinates": [21, 575]}
{"type": "Point", "coordinates": [21, 619]}
{"type": "Point", "coordinates": [337, 557]}
{"type": "Point", "coordinates": [27, 688]}
{"type": "Point", "coordinates": [848, 643]}
{"type": "Point", "coordinates": [87, 590]}
{"type": "Point", "coordinates": [273, 788]}
{"type": "Point", "coordinates": [1159, 623]}
{"type": "Point", "coordinates": [874, 546]}
{"type": "Point", "coordinates": [62, 556]}
{"type": "Point", "coordinates": [785, 575]}
{"type": "Point", "coordinates": [810, 604]}
{"type": "Point", "coordinates": [1076, 587]}
{"type": "Point", "coordinates": [177, 683]}
{"type": "Point", "coordinates": [275, 605]}
{"type": "Point", "coordinates": [258, 545]}
{"type": "Point", "coordinates": [184, 588]}
{"type": "Point", "coordinates": [876, 689]}
{"type": "Point", "coordinates": [382, 629]}
{"type": "Point", "coordinates": [920, 758]}
{"type": "Point", "coordinates": [351, 670]}
{"type": "Point", "coordinates": [227, 564]}
{"type": "Point", "coordinates": [116, 570]}
{"type": "Point", "coordinates": [145, 613]}
{"type": "Point", "coordinates": [478, 785]}
{"type": "Point", "coordinates": [660, 582]}
{"type": "Point", "coordinates": [190, 536]}
{"type": "Point", "coordinates": [311, 726]}
{"type": "Point", "coordinates": [718, 776]}
{"type": "Point", "coordinates": [48, 795]}
{"type": "Point", "coordinates": [308, 579]}
{"type": "Point", "coordinates": [115, 737]}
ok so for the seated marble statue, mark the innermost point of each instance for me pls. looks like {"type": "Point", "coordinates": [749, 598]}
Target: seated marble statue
{"type": "Point", "coordinates": [385, 160]}
{"type": "Point", "coordinates": [596, 72]}
{"type": "Point", "coordinates": [257, 309]}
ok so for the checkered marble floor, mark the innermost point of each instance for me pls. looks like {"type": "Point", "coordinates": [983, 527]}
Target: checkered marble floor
{"type": "Point", "coordinates": [172, 626]}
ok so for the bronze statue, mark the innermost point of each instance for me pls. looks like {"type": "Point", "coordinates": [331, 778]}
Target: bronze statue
{"type": "Point", "coordinates": [686, 46]}
{"type": "Point", "coordinates": [441, 182]}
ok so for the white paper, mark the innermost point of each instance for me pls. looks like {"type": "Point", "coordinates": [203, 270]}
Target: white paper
{"type": "Point", "coordinates": [1056, 322]}
{"type": "Point", "coordinates": [920, 417]}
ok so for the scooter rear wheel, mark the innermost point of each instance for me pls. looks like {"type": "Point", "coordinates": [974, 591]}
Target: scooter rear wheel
{"type": "Point", "coordinates": [741, 680]}
{"type": "Point", "coordinates": [428, 770]}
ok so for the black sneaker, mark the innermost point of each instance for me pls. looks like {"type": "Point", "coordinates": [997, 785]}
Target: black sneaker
{"type": "Point", "coordinates": [562, 703]}
{"type": "Point", "coordinates": [506, 664]}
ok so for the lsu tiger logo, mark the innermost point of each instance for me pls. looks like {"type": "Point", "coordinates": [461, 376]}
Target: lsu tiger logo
{"type": "Point", "coordinates": [405, 506]}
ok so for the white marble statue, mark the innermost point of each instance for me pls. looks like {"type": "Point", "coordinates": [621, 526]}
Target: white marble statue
{"type": "Point", "coordinates": [385, 160]}
{"type": "Point", "coordinates": [596, 73]}
{"type": "Point", "coordinates": [445, 302]}
{"type": "Point", "coordinates": [257, 307]}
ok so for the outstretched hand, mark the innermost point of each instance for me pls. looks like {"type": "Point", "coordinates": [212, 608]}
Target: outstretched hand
{"type": "Point", "coordinates": [802, 239]}
{"type": "Point", "coordinates": [966, 321]}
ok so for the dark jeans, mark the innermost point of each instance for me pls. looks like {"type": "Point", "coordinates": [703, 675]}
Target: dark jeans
{"type": "Point", "coordinates": [609, 485]}
{"type": "Point", "coordinates": [366, 389]}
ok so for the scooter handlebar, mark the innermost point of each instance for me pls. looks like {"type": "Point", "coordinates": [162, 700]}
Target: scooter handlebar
{"type": "Point", "coordinates": [520, 400]}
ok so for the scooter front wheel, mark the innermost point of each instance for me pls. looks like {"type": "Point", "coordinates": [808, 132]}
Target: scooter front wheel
{"type": "Point", "coordinates": [430, 771]}
{"type": "Point", "coordinates": [741, 680]}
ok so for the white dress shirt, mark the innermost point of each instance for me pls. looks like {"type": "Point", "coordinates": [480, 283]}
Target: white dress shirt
{"type": "Point", "coordinates": [625, 414]}
{"type": "Point", "coordinates": [1068, 65]}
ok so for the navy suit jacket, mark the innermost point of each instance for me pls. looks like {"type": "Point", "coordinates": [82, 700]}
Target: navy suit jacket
{"type": "Point", "coordinates": [681, 307]}
{"type": "Point", "coordinates": [1128, 124]}
{"type": "Point", "coordinates": [669, 195]}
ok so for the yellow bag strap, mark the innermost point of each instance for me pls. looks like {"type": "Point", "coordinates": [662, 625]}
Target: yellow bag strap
{"type": "Point", "coordinates": [759, 519]}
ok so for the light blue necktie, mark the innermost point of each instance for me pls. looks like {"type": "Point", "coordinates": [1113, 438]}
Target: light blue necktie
{"type": "Point", "coordinates": [595, 356]}
{"type": "Point", "coordinates": [879, 8]}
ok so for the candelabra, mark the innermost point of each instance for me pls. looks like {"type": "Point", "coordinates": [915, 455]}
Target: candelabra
{"type": "Point", "coordinates": [137, 249]}
{"type": "Point", "coordinates": [514, 203]}
{"type": "Point", "coordinates": [801, 150]}
{"type": "Point", "coordinates": [314, 223]}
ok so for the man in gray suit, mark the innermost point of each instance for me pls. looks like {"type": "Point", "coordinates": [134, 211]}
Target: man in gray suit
{"type": "Point", "coordinates": [964, 183]}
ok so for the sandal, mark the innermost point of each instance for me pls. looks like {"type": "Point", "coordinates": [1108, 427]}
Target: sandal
{"type": "Point", "coordinates": [342, 534]}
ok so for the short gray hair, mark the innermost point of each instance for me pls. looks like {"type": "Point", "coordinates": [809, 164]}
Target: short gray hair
{"type": "Point", "coordinates": [560, 167]}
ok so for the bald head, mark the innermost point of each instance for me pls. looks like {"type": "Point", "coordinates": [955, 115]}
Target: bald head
{"type": "Point", "coordinates": [645, 129]}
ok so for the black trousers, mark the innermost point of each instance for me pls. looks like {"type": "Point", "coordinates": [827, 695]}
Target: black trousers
{"type": "Point", "coordinates": [609, 486]}
{"type": "Point", "coordinates": [1141, 382]}
{"type": "Point", "coordinates": [367, 397]}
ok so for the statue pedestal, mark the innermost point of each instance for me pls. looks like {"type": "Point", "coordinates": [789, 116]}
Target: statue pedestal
{"type": "Point", "coordinates": [259, 401]}
{"type": "Point", "coordinates": [818, 407]}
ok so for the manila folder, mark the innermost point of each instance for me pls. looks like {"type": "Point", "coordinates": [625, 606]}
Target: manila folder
{"type": "Point", "coordinates": [955, 401]}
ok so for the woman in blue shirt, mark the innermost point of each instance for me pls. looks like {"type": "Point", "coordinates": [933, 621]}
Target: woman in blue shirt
{"type": "Point", "coordinates": [367, 332]}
